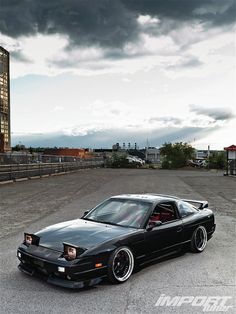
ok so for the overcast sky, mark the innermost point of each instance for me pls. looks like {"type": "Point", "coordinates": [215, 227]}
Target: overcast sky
{"type": "Point", "coordinates": [90, 73]}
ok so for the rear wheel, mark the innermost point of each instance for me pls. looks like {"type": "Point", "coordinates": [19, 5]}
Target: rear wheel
{"type": "Point", "coordinates": [199, 239]}
{"type": "Point", "coordinates": [120, 265]}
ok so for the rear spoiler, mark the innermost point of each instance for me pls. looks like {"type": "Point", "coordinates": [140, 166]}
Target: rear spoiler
{"type": "Point", "coordinates": [201, 204]}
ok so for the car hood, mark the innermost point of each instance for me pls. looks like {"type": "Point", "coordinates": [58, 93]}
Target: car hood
{"type": "Point", "coordinates": [83, 233]}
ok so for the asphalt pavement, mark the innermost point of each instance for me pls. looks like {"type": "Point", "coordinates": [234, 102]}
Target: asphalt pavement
{"type": "Point", "coordinates": [32, 205]}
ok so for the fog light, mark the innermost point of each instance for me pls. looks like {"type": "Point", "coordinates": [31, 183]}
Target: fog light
{"type": "Point", "coordinates": [61, 269]}
{"type": "Point", "coordinates": [68, 277]}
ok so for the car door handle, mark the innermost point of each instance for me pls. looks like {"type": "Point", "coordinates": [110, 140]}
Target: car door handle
{"type": "Point", "coordinates": [179, 229]}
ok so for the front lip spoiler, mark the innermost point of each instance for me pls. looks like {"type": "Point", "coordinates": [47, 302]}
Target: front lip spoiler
{"type": "Point", "coordinates": [27, 270]}
{"type": "Point", "coordinates": [65, 283]}
{"type": "Point", "coordinates": [73, 284]}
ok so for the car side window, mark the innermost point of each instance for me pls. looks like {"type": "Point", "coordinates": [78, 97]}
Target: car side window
{"type": "Point", "coordinates": [185, 209]}
{"type": "Point", "coordinates": [163, 212]}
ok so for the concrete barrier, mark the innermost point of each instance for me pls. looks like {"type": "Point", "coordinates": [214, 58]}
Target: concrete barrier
{"type": "Point", "coordinates": [17, 172]}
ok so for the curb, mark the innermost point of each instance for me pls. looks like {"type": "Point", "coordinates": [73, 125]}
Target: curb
{"type": "Point", "coordinates": [6, 182]}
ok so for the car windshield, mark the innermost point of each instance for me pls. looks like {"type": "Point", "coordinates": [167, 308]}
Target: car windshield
{"type": "Point", "coordinates": [122, 212]}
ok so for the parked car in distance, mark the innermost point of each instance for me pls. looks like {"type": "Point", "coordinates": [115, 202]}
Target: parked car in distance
{"type": "Point", "coordinates": [136, 160]}
{"type": "Point", "coordinates": [198, 163]}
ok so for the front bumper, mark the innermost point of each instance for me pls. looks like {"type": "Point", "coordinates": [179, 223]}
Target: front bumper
{"type": "Point", "coordinates": [73, 276]}
{"type": "Point", "coordinates": [65, 283]}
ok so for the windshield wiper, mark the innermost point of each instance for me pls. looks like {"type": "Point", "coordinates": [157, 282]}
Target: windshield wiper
{"type": "Point", "coordinates": [114, 224]}
{"type": "Point", "coordinates": [101, 221]}
{"type": "Point", "coordinates": [89, 219]}
{"type": "Point", "coordinates": [109, 223]}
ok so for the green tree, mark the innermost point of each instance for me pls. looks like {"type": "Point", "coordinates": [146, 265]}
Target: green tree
{"type": "Point", "coordinates": [121, 161]}
{"type": "Point", "coordinates": [217, 160]}
{"type": "Point", "coordinates": [176, 155]}
{"type": "Point", "coordinates": [19, 147]}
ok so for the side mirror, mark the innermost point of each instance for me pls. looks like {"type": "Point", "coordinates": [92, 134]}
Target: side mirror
{"type": "Point", "coordinates": [153, 224]}
{"type": "Point", "coordinates": [86, 212]}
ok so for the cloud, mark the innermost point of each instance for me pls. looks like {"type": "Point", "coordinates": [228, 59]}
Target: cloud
{"type": "Point", "coordinates": [18, 55]}
{"type": "Point", "coordinates": [173, 121]}
{"type": "Point", "coordinates": [106, 23]}
{"type": "Point", "coordinates": [210, 11]}
{"type": "Point", "coordinates": [84, 22]}
{"type": "Point", "coordinates": [186, 62]}
{"type": "Point", "coordinates": [106, 138]}
{"type": "Point", "coordinates": [217, 114]}
{"type": "Point", "coordinates": [91, 37]}
{"type": "Point", "coordinates": [199, 123]}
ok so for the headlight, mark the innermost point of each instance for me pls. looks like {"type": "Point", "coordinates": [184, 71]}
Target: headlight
{"type": "Point", "coordinates": [70, 251]}
{"type": "Point", "coordinates": [31, 239]}
{"type": "Point", "coordinates": [28, 239]}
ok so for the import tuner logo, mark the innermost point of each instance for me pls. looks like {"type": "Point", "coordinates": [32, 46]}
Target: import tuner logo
{"type": "Point", "coordinates": [207, 303]}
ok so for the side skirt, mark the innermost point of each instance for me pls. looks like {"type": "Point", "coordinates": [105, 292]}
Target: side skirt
{"type": "Point", "coordinates": [160, 257]}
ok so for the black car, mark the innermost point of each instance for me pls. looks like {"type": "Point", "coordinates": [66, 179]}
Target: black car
{"type": "Point", "coordinates": [114, 237]}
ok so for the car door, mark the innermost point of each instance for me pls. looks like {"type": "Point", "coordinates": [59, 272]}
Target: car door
{"type": "Point", "coordinates": [168, 235]}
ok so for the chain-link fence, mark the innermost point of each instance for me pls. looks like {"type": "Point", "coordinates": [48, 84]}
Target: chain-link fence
{"type": "Point", "coordinates": [17, 166]}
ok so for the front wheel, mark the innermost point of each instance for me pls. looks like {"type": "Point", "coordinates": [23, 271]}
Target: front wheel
{"type": "Point", "coordinates": [199, 239]}
{"type": "Point", "coordinates": [120, 265]}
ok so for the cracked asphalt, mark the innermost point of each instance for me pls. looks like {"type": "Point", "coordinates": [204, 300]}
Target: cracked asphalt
{"type": "Point", "coordinates": [32, 205]}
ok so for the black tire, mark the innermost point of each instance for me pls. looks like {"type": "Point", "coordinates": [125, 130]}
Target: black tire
{"type": "Point", "coordinates": [120, 265]}
{"type": "Point", "coordinates": [199, 240]}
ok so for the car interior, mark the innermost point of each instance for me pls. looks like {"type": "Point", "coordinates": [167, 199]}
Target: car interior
{"type": "Point", "coordinates": [163, 212]}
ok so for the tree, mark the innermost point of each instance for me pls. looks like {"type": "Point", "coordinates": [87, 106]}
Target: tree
{"type": "Point", "coordinates": [217, 160]}
{"type": "Point", "coordinates": [19, 147]}
{"type": "Point", "coordinates": [121, 161]}
{"type": "Point", "coordinates": [176, 155]}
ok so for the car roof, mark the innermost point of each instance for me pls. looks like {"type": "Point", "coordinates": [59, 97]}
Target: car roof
{"type": "Point", "coordinates": [151, 197]}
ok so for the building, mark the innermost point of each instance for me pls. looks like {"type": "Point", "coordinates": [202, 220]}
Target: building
{"type": "Point", "coordinates": [69, 152]}
{"type": "Point", "coordinates": [5, 132]}
{"type": "Point", "coordinates": [231, 160]}
{"type": "Point", "coordinates": [152, 154]}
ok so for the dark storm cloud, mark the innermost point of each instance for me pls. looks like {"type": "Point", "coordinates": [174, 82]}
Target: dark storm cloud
{"type": "Point", "coordinates": [218, 114]}
{"type": "Point", "coordinates": [211, 11]}
{"type": "Point", "coordinates": [107, 23]}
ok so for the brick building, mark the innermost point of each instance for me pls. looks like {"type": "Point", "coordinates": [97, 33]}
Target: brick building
{"type": "Point", "coordinates": [5, 132]}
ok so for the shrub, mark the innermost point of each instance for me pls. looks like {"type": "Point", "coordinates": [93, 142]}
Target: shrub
{"type": "Point", "coordinates": [121, 162]}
